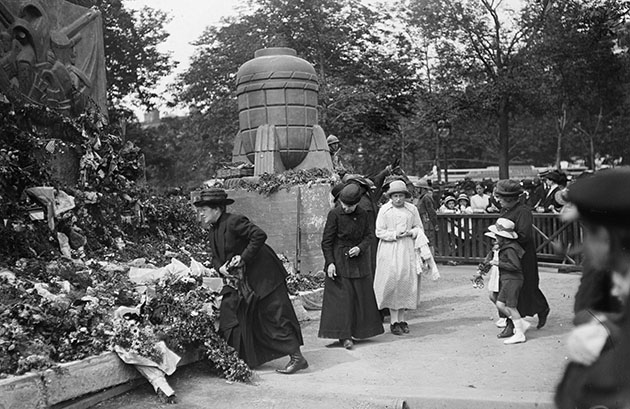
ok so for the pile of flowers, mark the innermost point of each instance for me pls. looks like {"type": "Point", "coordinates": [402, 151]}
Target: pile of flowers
{"type": "Point", "coordinates": [300, 282]}
{"type": "Point", "coordinates": [55, 310]}
{"type": "Point", "coordinates": [72, 318]}
{"type": "Point", "coordinates": [47, 319]}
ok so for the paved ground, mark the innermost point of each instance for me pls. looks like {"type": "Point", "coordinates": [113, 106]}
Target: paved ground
{"type": "Point", "coordinates": [451, 359]}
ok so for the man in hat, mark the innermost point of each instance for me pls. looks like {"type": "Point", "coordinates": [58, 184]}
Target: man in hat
{"type": "Point", "coordinates": [334, 147]}
{"type": "Point", "coordinates": [257, 317]}
{"type": "Point", "coordinates": [426, 209]}
{"type": "Point", "coordinates": [599, 346]}
{"type": "Point", "coordinates": [533, 192]}
{"type": "Point", "coordinates": [531, 299]}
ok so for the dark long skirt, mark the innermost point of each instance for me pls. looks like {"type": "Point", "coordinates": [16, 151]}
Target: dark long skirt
{"type": "Point", "coordinates": [349, 309]}
{"type": "Point", "coordinates": [531, 299]}
{"type": "Point", "coordinates": [260, 330]}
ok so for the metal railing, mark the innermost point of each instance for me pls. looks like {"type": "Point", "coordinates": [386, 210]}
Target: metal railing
{"type": "Point", "coordinates": [460, 238]}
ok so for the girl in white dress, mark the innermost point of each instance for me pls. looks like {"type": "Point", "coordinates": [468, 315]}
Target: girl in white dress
{"type": "Point", "coordinates": [396, 278]}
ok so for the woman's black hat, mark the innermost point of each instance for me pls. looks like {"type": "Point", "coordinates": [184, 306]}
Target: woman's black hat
{"type": "Point", "coordinates": [210, 197]}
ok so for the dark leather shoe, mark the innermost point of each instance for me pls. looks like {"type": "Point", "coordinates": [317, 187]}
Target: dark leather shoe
{"type": "Point", "coordinates": [296, 363]}
{"type": "Point", "coordinates": [395, 329]}
{"type": "Point", "coordinates": [508, 331]}
{"type": "Point", "coordinates": [404, 327]}
{"type": "Point", "coordinates": [347, 343]}
{"type": "Point", "coordinates": [542, 318]}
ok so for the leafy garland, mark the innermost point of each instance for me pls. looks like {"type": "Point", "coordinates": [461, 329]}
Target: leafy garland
{"type": "Point", "coordinates": [269, 183]}
{"type": "Point", "coordinates": [186, 312]}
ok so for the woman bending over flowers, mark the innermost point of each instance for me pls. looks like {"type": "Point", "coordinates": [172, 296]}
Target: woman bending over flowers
{"type": "Point", "coordinates": [256, 315]}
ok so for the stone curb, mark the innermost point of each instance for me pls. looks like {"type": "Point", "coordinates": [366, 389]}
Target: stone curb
{"type": "Point", "coordinates": [69, 381]}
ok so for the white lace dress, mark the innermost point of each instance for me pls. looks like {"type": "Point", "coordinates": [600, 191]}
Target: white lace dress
{"type": "Point", "coordinates": [396, 278]}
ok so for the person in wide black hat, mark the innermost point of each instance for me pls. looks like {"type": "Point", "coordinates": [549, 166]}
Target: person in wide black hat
{"type": "Point", "coordinates": [598, 375]}
{"type": "Point", "coordinates": [531, 299]}
{"type": "Point", "coordinates": [551, 202]}
{"type": "Point", "coordinates": [349, 306]}
{"type": "Point", "coordinates": [257, 317]}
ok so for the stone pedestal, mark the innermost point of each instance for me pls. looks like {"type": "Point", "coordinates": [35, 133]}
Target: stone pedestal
{"type": "Point", "coordinates": [293, 219]}
{"type": "Point", "coordinates": [267, 157]}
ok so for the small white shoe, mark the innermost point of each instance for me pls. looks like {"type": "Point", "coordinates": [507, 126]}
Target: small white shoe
{"type": "Point", "coordinates": [526, 326]}
{"type": "Point", "coordinates": [501, 322]}
{"type": "Point", "coordinates": [517, 338]}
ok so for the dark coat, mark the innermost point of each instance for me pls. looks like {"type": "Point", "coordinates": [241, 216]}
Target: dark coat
{"type": "Point", "coordinates": [261, 324]}
{"type": "Point", "coordinates": [510, 255]}
{"type": "Point", "coordinates": [550, 200]}
{"type": "Point", "coordinates": [349, 306]}
{"type": "Point", "coordinates": [531, 300]}
{"type": "Point", "coordinates": [426, 209]}
{"type": "Point", "coordinates": [428, 215]}
{"type": "Point", "coordinates": [342, 232]}
{"type": "Point", "coordinates": [536, 196]}
{"type": "Point", "coordinates": [234, 234]}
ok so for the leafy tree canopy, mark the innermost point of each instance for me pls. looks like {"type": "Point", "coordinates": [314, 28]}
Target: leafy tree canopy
{"type": "Point", "coordinates": [367, 71]}
{"type": "Point", "coordinates": [134, 64]}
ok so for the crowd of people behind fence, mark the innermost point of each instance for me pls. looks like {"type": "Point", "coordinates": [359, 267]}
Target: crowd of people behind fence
{"type": "Point", "coordinates": [542, 194]}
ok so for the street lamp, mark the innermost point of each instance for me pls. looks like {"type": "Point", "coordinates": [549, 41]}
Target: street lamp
{"type": "Point", "coordinates": [443, 132]}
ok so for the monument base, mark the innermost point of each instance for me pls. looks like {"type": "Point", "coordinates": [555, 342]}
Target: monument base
{"type": "Point", "coordinates": [293, 219]}
{"type": "Point", "coordinates": [267, 156]}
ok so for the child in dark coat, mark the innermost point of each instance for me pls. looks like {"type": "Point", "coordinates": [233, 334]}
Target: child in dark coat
{"type": "Point", "coordinates": [510, 277]}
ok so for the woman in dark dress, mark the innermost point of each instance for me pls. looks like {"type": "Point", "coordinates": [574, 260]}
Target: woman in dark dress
{"type": "Point", "coordinates": [256, 315]}
{"type": "Point", "coordinates": [349, 307]}
{"type": "Point", "coordinates": [531, 300]}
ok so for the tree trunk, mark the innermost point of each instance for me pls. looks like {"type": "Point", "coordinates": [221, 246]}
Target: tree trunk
{"type": "Point", "coordinates": [561, 127]}
{"type": "Point", "coordinates": [504, 139]}
{"type": "Point", "coordinates": [591, 152]}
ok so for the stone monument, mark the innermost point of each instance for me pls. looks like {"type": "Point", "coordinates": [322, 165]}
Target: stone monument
{"type": "Point", "coordinates": [52, 53]}
{"type": "Point", "coordinates": [277, 102]}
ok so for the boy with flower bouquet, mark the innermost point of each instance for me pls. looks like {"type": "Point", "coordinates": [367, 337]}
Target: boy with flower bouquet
{"type": "Point", "coordinates": [487, 268]}
{"type": "Point", "coordinates": [508, 262]}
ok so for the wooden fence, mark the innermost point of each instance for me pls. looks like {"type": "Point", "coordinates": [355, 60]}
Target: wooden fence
{"type": "Point", "coordinates": [460, 238]}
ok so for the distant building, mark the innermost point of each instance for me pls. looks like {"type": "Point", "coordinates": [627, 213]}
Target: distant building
{"type": "Point", "coordinates": [151, 119]}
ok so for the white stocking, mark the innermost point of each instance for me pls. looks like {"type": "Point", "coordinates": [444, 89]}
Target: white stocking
{"type": "Point", "coordinates": [394, 316]}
